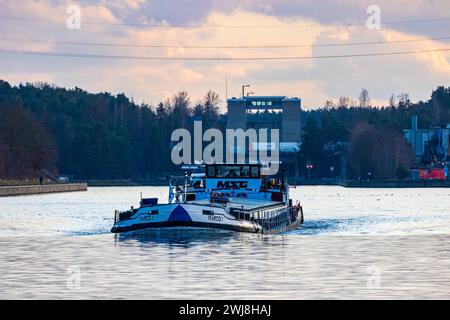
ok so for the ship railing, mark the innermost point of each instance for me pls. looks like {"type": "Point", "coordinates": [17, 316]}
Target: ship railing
{"type": "Point", "coordinates": [270, 220]}
{"type": "Point", "coordinates": [241, 214]}
{"type": "Point", "coordinates": [123, 215]}
{"type": "Point", "coordinates": [278, 220]}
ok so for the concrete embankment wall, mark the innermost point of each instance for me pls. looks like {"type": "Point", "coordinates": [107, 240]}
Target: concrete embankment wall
{"type": "Point", "coordinates": [380, 184]}
{"type": "Point", "coordinates": [38, 189]}
{"type": "Point", "coordinates": [397, 184]}
{"type": "Point", "coordinates": [127, 183]}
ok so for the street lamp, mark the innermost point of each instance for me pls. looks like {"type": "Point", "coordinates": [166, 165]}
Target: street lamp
{"type": "Point", "coordinates": [309, 167]}
{"type": "Point", "coordinates": [243, 89]}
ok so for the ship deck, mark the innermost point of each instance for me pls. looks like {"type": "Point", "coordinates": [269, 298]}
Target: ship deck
{"type": "Point", "coordinates": [244, 203]}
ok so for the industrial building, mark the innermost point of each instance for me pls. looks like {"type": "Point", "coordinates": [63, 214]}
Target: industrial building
{"type": "Point", "coordinates": [271, 112]}
{"type": "Point", "coordinates": [429, 145]}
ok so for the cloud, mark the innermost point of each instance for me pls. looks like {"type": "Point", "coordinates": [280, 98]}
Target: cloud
{"type": "Point", "coordinates": [17, 78]}
{"type": "Point", "coordinates": [280, 22]}
{"type": "Point", "coordinates": [135, 4]}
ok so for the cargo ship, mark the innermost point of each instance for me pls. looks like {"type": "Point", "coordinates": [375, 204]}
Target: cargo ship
{"type": "Point", "coordinates": [229, 197]}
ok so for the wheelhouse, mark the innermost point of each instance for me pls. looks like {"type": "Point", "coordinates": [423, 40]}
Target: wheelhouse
{"type": "Point", "coordinates": [220, 171]}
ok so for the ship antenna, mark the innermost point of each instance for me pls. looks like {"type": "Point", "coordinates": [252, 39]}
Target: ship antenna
{"type": "Point", "coordinates": [284, 189]}
{"type": "Point", "coordinates": [185, 186]}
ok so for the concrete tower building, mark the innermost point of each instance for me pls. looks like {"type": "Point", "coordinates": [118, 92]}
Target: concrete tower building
{"type": "Point", "coordinates": [271, 112]}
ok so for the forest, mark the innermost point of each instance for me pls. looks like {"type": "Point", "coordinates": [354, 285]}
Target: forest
{"type": "Point", "coordinates": [105, 136]}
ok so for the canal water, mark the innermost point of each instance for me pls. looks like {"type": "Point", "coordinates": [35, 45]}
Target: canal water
{"type": "Point", "coordinates": [355, 243]}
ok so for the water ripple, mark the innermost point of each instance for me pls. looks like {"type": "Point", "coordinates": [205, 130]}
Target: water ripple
{"type": "Point", "coordinates": [59, 246]}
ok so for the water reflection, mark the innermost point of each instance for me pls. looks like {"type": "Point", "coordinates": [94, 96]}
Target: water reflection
{"type": "Point", "coordinates": [191, 237]}
{"type": "Point", "coordinates": [180, 237]}
{"type": "Point", "coordinates": [402, 232]}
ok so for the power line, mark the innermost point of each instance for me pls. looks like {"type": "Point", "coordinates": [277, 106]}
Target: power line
{"type": "Point", "coordinates": [161, 58]}
{"type": "Point", "coordinates": [187, 26]}
{"type": "Point", "coordinates": [122, 45]}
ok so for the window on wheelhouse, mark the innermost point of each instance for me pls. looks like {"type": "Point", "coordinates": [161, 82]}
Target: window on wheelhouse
{"type": "Point", "coordinates": [211, 172]}
{"type": "Point", "coordinates": [255, 172]}
{"type": "Point", "coordinates": [233, 171]}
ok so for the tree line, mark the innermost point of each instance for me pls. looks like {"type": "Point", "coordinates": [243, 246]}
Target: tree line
{"type": "Point", "coordinates": [105, 136]}
{"type": "Point", "coordinates": [370, 139]}
{"type": "Point", "coordinates": [91, 136]}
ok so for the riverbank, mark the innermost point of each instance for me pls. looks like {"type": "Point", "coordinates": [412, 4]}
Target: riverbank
{"type": "Point", "coordinates": [379, 183]}
{"type": "Point", "coordinates": [318, 182]}
{"type": "Point", "coordinates": [126, 183]}
{"type": "Point", "coordinates": [6, 191]}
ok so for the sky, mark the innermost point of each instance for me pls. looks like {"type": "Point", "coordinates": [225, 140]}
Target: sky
{"type": "Point", "coordinates": [226, 29]}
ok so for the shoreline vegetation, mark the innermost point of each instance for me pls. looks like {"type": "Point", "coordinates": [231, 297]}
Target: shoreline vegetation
{"type": "Point", "coordinates": [100, 136]}
{"type": "Point", "coordinates": [162, 182]}
{"type": "Point", "coordinates": [341, 183]}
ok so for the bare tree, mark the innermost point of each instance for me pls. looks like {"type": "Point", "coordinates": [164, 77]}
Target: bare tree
{"type": "Point", "coordinates": [212, 99]}
{"type": "Point", "coordinates": [25, 144]}
{"type": "Point", "coordinates": [392, 101]}
{"type": "Point", "coordinates": [403, 100]}
{"type": "Point", "coordinates": [329, 104]}
{"type": "Point", "coordinates": [380, 151]}
{"type": "Point", "coordinates": [344, 102]}
{"type": "Point", "coordinates": [364, 99]}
